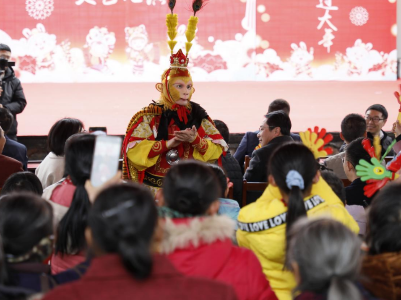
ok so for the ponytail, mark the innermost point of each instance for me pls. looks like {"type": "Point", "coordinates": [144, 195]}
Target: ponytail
{"type": "Point", "coordinates": [296, 207]}
{"type": "Point", "coordinates": [71, 230]}
{"type": "Point", "coordinates": [343, 288]}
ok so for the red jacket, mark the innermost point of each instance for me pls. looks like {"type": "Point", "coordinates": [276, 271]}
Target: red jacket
{"type": "Point", "coordinates": [8, 166]}
{"type": "Point", "coordinates": [107, 279]}
{"type": "Point", "coordinates": [203, 247]}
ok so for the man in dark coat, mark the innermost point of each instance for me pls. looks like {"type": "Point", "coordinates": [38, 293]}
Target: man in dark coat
{"type": "Point", "coordinates": [274, 131]}
{"type": "Point", "coordinates": [251, 140]}
{"type": "Point", "coordinates": [11, 94]}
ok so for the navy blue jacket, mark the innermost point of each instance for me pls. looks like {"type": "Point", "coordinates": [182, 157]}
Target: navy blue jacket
{"type": "Point", "coordinates": [17, 151]}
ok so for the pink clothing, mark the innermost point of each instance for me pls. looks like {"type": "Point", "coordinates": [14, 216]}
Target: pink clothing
{"type": "Point", "coordinates": [60, 263]}
{"type": "Point", "coordinates": [64, 193]}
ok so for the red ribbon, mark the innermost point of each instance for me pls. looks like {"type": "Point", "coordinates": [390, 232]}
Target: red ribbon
{"type": "Point", "coordinates": [182, 112]}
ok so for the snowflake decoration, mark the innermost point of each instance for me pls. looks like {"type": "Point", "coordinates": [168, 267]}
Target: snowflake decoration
{"type": "Point", "coordinates": [39, 9]}
{"type": "Point", "coordinates": [359, 16]}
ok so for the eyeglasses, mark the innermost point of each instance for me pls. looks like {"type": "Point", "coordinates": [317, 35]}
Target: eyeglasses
{"type": "Point", "coordinates": [374, 119]}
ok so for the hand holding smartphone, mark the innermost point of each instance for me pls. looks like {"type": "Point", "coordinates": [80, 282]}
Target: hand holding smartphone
{"type": "Point", "coordinates": [105, 159]}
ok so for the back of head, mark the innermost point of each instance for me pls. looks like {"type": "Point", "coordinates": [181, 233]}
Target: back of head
{"type": "Point", "coordinates": [293, 168]}
{"type": "Point", "coordinates": [335, 183]}
{"type": "Point", "coordinates": [379, 108]}
{"type": "Point", "coordinates": [60, 132]}
{"type": "Point", "coordinates": [122, 221]}
{"type": "Point", "coordinates": [4, 47]}
{"type": "Point", "coordinates": [22, 182]}
{"type": "Point", "coordinates": [355, 152]}
{"type": "Point", "coordinates": [279, 104]}
{"type": "Point", "coordinates": [6, 119]}
{"type": "Point", "coordinates": [383, 232]}
{"type": "Point", "coordinates": [78, 165]}
{"type": "Point", "coordinates": [353, 126]}
{"type": "Point", "coordinates": [328, 257]}
{"type": "Point", "coordinates": [25, 221]}
{"type": "Point", "coordinates": [279, 119]}
{"type": "Point", "coordinates": [190, 187]}
{"type": "Point", "coordinates": [221, 178]}
{"type": "Point", "coordinates": [223, 129]}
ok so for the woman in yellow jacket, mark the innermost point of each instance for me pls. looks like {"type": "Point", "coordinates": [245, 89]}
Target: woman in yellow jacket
{"type": "Point", "coordinates": [295, 190]}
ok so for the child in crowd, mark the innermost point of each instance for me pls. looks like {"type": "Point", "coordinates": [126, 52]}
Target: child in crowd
{"type": "Point", "coordinates": [123, 236]}
{"type": "Point", "coordinates": [71, 202]}
{"type": "Point", "coordinates": [51, 169]}
{"type": "Point", "coordinates": [22, 182]}
{"type": "Point", "coordinates": [227, 207]}
{"type": "Point", "coordinates": [198, 241]}
{"type": "Point", "coordinates": [295, 190]}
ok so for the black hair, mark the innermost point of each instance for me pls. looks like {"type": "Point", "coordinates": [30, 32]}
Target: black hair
{"type": "Point", "coordinates": [354, 152]}
{"type": "Point", "coordinates": [379, 108]}
{"type": "Point", "coordinates": [335, 183]}
{"type": "Point", "coordinates": [78, 165]}
{"type": "Point", "coordinates": [60, 132]}
{"type": "Point", "coordinates": [25, 219]}
{"type": "Point", "coordinates": [221, 177]}
{"type": "Point", "coordinates": [22, 182]}
{"type": "Point", "coordinates": [190, 187]}
{"type": "Point", "coordinates": [293, 157]}
{"type": "Point", "coordinates": [123, 220]}
{"type": "Point", "coordinates": [279, 104]}
{"type": "Point", "coordinates": [4, 47]}
{"type": "Point", "coordinates": [223, 129]}
{"type": "Point", "coordinates": [353, 126]}
{"type": "Point", "coordinates": [279, 119]}
{"type": "Point", "coordinates": [383, 230]}
{"type": "Point", "coordinates": [6, 119]}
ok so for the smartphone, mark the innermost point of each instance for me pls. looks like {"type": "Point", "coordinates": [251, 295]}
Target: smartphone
{"type": "Point", "coordinates": [105, 159]}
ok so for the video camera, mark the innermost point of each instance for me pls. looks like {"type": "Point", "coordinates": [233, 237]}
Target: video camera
{"type": "Point", "coordinates": [5, 63]}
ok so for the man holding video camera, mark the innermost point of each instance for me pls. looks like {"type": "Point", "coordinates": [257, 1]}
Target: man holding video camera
{"type": "Point", "coordinates": [11, 94]}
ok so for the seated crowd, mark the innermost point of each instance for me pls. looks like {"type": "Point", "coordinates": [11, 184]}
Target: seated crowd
{"type": "Point", "coordinates": [306, 235]}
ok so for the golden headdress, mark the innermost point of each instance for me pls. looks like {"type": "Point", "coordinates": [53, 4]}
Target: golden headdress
{"type": "Point", "coordinates": [178, 61]}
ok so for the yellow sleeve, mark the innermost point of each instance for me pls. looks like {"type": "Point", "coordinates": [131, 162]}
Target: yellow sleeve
{"type": "Point", "coordinates": [212, 153]}
{"type": "Point", "coordinates": [138, 155]}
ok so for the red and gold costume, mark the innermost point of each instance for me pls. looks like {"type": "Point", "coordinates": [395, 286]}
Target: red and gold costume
{"type": "Point", "coordinates": [147, 157]}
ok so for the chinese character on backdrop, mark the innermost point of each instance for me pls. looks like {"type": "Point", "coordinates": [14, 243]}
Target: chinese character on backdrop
{"type": "Point", "coordinates": [328, 36]}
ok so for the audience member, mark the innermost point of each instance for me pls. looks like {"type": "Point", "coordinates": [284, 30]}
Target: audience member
{"type": "Point", "coordinates": [354, 193]}
{"type": "Point", "coordinates": [12, 148]}
{"type": "Point", "coordinates": [71, 194]}
{"type": "Point", "coordinates": [376, 117]}
{"type": "Point", "coordinates": [197, 241]}
{"type": "Point", "coordinates": [356, 211]}
{"type": "Point", "coordinates": [51, 169]}
{"type": "Point", "coordinates": [353, 126]}
{"type": "Point", "coordinates": [381, 267]}
{"type": "Point", "coordinates": [124, 237]}
{"type": "Point", "coordinates": [8, 165]}
{"type": "Point", "coordinates": [22, 182]}
{"type": "Point", "coordinates": [230, 164]}
{"type": "Point", "coordinates": [11, 92]}
{"type": "Point", "coordinates": [295, 189]}
{"type": "Point", "coordinates": [26, 228]}
{"type": "Point", "coordinates": [325, 258]}
{"type": "Point", "coordinates": [274, 131]}
{"type": "Point", "coordinates": [227, 207]}
{"type": "Point", "coordinates": [250, 140]}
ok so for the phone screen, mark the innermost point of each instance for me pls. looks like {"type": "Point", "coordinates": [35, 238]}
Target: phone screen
{"type": "Point", "coordinates": [105, 159]}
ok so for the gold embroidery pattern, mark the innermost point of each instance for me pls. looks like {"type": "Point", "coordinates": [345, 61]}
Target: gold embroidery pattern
{"type": "Point", "coordinates": [157, 147]}
{"type": "Point", "coordinates": [143, 130]}
{"type": "Point", "coordinates": [209, 128]}
{"type": "Point", "coordinates": [158, 168]}
{"type": "Point", "coordinates": [157, 182]}
{"type": "Point", "coordinates": [201, 146]}
{"type": "Point", "coordinates": [187, 148]}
